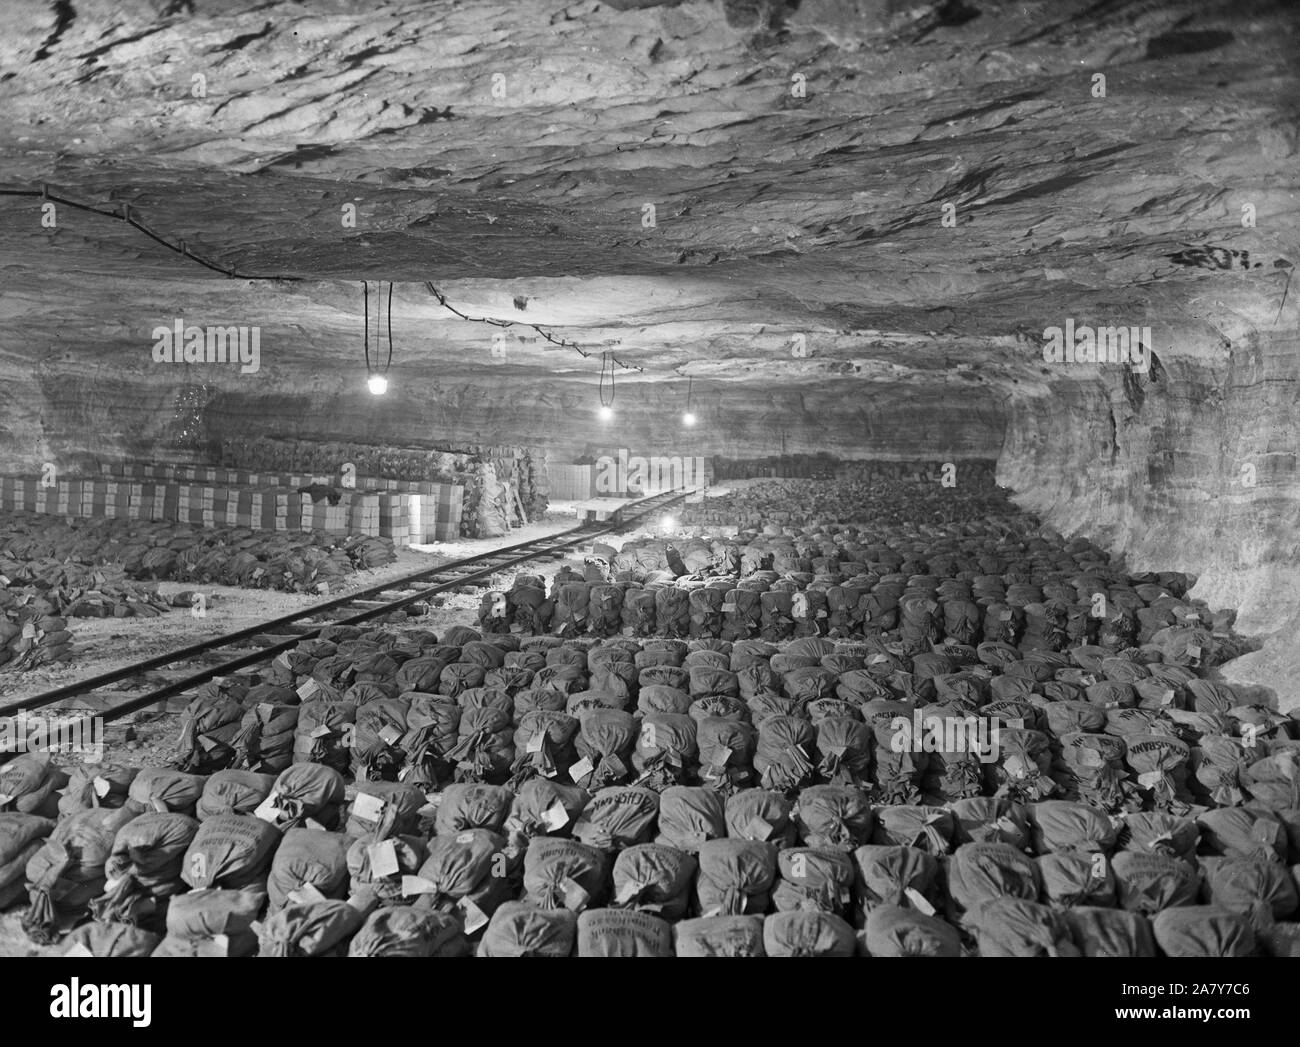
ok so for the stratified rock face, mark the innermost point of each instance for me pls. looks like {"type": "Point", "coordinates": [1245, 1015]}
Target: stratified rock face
{"type": "Point", "coordinates": [848, 223]}
{"type": "Point", "coordinates": [1189, 468]}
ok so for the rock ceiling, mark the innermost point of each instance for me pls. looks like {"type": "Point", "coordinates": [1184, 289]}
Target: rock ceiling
{"type": "Point", "coordinates": [798, 162]}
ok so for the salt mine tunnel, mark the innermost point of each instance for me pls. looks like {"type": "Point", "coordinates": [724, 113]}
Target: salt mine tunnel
{"type": "Point", "coordinates": [953, 336]}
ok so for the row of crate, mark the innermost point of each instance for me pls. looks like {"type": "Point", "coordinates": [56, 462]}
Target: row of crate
{"type": "Point", "coordinates": [432, 511]}
{"type": "Point", "coordinates": [214, 474]}
{"type": "Point", "coordinates": [403, 516]}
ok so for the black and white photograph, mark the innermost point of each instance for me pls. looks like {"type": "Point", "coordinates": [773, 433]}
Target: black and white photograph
{"type": "Point", "coordinates": [650, 478]}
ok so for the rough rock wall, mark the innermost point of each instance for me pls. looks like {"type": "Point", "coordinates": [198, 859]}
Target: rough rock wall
{"type": "Point", "coordinates": [63, 414]}
{"type": "Point", "coordinates": [1192, 467]}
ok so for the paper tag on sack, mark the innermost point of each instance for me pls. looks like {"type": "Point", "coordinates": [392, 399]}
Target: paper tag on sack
{"type": "Point", "coordinates": [627, 892]}
{"type": "Point", "coordinates": [219, 944]}
{"type": "Point", "coordinates": [1016, 723]}
{"type": "Point", "coordinates": [1150, 779]}
{"type": "Point", "coordinates": [581, 769]}
{"type": "Point", "coordinates": [536, 742]}
{"type": "Point", "coordinates": [29, 630]}
{"type": "Point", "coordinates": [556, 817]}
{"type": "Point", "coordinates": [307, 894]}
{"type": "Point", "coordinates": [758, 829]}
{"type": "Point", "coordinates": [268, 811]}
{"type": "Point", "coordinates": [474, 916]}
{"type": "Point", "coordinates": [155, 802]}
{"type": "Point", "coordinates": [389, 734]}
{"type": "Point", "coordinates": [919, 901]}
{"type": "Point", "coordinates": [368, 808]}
{"type": "Point", "coordinates": [207, 743]}
{"type": "Point", "coordinates": [383, 859]}
{"type": "Point", "coordinates": [720, 757]}
{"type": "Point", "coordinates": [102, 786]}
{"type": "Point", "coordinates": [308, 690]}
{"type": "Point", "coordinates": [575, 895]}
{"type": "Point", "coordinates": [79, 950]}
{"type": "Point", "coordinates": [1091, 758]}
{"type": "Point", "coordinates": [321, 732]}
{"type": "Point", "coordinates": [413, 885]}
{"type": "Point", "coordinates": [282, 661]}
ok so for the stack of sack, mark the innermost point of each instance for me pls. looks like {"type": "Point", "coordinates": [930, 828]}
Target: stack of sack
{"type": "Point", "coordinates": [100, 566]}
{"type": "Point", "coordinates": [990, 779]}
{"type": "Point", "coordinates": [974, 581]}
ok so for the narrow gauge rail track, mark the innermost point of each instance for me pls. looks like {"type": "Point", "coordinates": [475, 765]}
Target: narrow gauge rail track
{"type": "Point", "coordinates": [231, 652]}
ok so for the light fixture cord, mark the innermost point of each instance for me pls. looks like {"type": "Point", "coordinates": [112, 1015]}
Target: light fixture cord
{"type": "Point", "coordinates": [606, 369]}
{"type": "Point", "coordinates": [389, 361]}
{"type": "Point", "coordinates": [365, 289]}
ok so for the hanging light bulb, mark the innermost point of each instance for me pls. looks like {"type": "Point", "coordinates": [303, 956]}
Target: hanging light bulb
{"type": "Point", "coordinates": [688, 416]}
{"type": "Point", "coordinates": [376, 380]}
{"type": "Point", "coordinates": [606, 413]}
{"type": "Point", "coordinates": [688, 419]}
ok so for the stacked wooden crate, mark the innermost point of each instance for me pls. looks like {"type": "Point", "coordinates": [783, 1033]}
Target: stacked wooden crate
{"type": "Point", "coordinates": [570, 483]}
{"type": "Point", "coordinates": [326, 460]}
{"type": "Point", "coordinates": [363, 514]}
{"type": "Point", "coordinates": [431, 511]}
{"type": "Point", "coordinates": [22, 492]}
{"type": "Point", "coordinates": [407, 511]}
{"type": "Point", "coordinates": [321, 516]}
